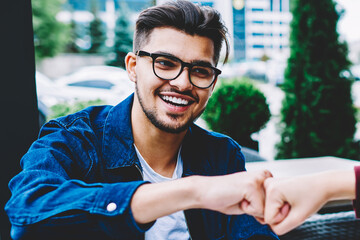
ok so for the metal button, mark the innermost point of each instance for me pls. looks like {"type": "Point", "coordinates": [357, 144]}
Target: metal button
{"type": "Point", "coordinates": [111, 207]}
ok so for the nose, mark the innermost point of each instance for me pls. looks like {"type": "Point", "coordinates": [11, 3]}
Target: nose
{"type": "Point", "coordinates": [182, 82]}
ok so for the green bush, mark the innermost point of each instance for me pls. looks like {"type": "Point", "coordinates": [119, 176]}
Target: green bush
{"type": "Point", "coordinates": [238, 109]}
{"type": "Point", "coordinates": [317, 116]}
{"type": "Point", "coordinates": [63, 109]}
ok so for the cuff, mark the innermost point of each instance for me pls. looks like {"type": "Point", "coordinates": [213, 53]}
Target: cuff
{"type": "Point", "coordinates": [113, 203]}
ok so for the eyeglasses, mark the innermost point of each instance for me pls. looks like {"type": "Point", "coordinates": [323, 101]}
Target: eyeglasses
{"type": "Point", "coordinates": [167, 67]}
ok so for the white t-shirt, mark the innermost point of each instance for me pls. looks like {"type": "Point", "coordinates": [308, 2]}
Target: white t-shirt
{"type": "Point", "coordinates": [171, 227]}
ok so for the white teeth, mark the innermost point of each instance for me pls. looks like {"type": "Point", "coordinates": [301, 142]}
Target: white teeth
{"type": "Point", "coordinates": [175, 100]}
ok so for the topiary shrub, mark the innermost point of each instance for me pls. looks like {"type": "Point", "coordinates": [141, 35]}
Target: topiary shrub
{"type": "Point", "coordinates": [238, 109]}
{"type": "Point", "coordinates": [317, 116]}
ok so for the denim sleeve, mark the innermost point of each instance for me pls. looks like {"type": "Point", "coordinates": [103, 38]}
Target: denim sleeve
{"type": "Point", "coordinates": [246, 227]}
{"type": "Point", "coordinates": [49, 202]}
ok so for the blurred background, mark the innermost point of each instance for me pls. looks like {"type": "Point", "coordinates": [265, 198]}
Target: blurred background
{"type": "Point", "coordinates": [291, 88]}
{"type": "Point", "coordinates": [80, 47]}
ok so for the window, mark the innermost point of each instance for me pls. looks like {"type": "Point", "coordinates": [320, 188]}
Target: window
{"type": "Point", "coordinates": [258, 46]}
{"type": "Point", "coordinates": [257, 9]}
{"type": "Point", "coordinates": [93, 84]}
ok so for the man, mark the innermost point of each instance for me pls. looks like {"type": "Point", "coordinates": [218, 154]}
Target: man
{"type": "Point", "coordinates": [88, 174]}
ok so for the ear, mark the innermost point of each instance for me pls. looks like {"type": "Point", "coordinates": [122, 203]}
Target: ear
{"type": "Point", "coordinates": [130, 64]}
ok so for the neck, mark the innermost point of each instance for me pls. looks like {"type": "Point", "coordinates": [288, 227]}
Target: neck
{"type": "Point", "coordinates": [158, 148]}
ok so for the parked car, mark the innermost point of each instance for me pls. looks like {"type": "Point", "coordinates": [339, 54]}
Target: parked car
{"type": "Point", "coordinates": [48, 91]}
{"type": "Point", "coordinates": [110, 84]}
{"type": "Point", "coordinates": [48, 94]}
{"type": "Point", "coordinates": [43, 112]}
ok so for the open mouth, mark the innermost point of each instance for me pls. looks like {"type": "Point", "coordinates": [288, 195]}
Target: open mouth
{"type": "Point", "coordinates": [176, 101]}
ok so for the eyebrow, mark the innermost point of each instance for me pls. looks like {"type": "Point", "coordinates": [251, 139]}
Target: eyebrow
{"type": "Point", "coordinates": [194, 62]}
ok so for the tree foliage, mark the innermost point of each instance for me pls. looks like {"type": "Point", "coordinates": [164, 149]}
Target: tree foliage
{"type": "Point", "coordinates": [237, 108]}
{"type": "Point", "coordinates": [318, 117]}
{"type": "Point", "coordinates": [96, 31]}
{"type": "Point", "coordinates": [123, 38]}
{"type": "Point", "coordinates": [71, 46]}
{"type": "Point", "coordinates": [50, 36]}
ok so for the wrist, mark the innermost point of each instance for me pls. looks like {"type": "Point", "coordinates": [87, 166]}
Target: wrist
{"type": "Point", "coordinates": [195, 192]}
{"type": "Point", "coordinates": [339, 184]}
{"type": "Point", "coordinates": [155, 200]}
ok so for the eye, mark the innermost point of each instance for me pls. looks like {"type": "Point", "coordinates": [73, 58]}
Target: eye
{"type": "Point", "coordinates": [202, 72]}
{"type": "Point", "coordinates": [166, 63]}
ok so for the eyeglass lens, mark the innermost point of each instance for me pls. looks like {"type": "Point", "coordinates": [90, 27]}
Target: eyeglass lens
{"type": "Point", "coordinates": [170, 68]}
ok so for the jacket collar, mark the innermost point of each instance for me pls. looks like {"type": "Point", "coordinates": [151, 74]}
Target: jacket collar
{"type": "Point", "coordinates": [118, 142]}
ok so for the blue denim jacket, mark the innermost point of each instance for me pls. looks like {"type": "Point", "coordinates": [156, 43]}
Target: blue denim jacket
{"type": "Point", "coordinates": [83, 162]}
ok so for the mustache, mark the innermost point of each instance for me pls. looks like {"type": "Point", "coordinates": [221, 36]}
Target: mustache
{"type": "Point", "coordinates": [186, 93]}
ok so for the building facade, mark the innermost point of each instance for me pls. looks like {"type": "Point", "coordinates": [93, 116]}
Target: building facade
{"type": "Point", "coordinates": [259, 29]}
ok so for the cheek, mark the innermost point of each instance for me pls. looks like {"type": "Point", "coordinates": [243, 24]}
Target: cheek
{"type": "Point", "coordinates": [147, 77]}
{"type": "Point", "coordinates": [148, 85]}
{"type": "Point", "coordinates": [205, 98]}
{"type": "Point", "coordinates": [144, 72]}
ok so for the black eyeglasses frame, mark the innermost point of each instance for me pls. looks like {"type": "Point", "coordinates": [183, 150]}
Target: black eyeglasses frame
{"type": "Point", "coordinates": [217, 71]}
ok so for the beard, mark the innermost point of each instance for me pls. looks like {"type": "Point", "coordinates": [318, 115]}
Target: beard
{"type": "Point", "coordinates": [153, 117]}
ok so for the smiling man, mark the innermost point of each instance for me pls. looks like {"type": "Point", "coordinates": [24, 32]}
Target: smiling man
{"type": "Point", "coordinates": [143, 169]}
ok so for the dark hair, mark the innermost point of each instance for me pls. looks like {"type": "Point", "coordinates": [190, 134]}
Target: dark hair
{"type": "Point", "coordinates": [185, 16]}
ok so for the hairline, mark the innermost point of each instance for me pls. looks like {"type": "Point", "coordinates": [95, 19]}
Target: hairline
{"type": "Point", "coordinates": [146, 39]}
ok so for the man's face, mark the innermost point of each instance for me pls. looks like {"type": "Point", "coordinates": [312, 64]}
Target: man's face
{"type": "Point", "coordinates": [172, 105]}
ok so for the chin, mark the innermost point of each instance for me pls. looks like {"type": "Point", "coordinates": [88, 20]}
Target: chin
{"type": "Point", "coordinates": [172, 127]}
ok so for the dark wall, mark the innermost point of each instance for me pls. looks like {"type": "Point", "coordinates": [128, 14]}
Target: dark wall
{"type": "Point", "coordinates": [19, 116]}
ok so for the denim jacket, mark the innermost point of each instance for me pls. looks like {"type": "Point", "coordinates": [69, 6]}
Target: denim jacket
{"type": "Point", "coordinates": [79, 176]}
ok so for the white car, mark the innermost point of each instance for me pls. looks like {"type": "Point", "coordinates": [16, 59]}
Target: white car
{"type": "Point", "coordinates": [48, 92]}
{"type": "Point", "coordinates": [110, 84]}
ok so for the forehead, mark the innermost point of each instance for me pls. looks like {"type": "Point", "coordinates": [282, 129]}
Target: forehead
{"type": "Point", "coordinates": [178, 43]}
